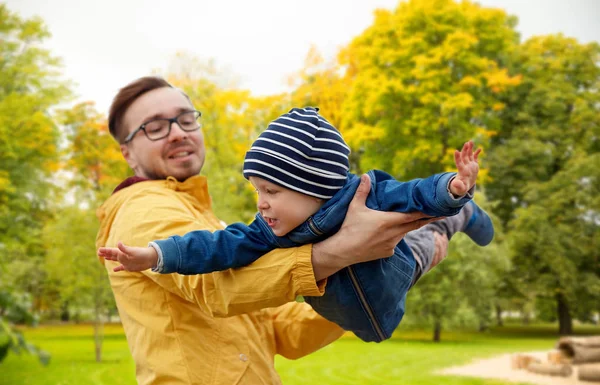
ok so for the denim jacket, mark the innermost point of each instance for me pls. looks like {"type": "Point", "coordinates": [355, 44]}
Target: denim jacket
{"type": "Point", "coordinates": [366, 298]}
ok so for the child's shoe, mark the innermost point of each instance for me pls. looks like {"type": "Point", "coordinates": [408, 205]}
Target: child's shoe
{"type": "Point", "coordinates": [479, 227]}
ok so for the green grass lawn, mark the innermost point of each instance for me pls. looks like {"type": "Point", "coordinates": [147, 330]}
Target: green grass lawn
{"type": "Point", "coordinates": [408, 358]}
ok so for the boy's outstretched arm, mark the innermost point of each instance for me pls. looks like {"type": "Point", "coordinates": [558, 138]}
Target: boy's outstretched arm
{"type": "Point", "coordinates": [197, 252]}
{"type": "Point", "coordinates": [438, 195]}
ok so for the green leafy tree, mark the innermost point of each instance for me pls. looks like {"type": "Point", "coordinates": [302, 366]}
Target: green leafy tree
{"type": "Point", "coordinates": [92, 157]}
{"type": "Point", "coordinates": [425, 78]}
{"type": "Point", "coordinates": [556, 240]}
{"type": "Point", "coordinates": [542, 171]}
{"type": "Point", "coordinates": [15, 308]}
{"type": "Point", "coordinates": [94, 167]}
{"type": "Point", "coordinates": [74, 268]}
{"type": "Point", "coordinates": [30, 86]}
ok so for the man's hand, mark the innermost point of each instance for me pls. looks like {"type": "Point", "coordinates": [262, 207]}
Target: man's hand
{"type": "Point", "coordinates": [468, 168]}
{"type": "Point", "coordinates": [131, 258]}
{"type": "Point", "coordinates": [440, 250]}
{"type": "Point", "coordinates": [365, 235]}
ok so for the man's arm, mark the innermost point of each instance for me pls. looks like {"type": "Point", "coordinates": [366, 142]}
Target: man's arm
{"type": "Point", "coordinates": [298, 330]}
{"type": "Point", "coordinates": [277, 278]}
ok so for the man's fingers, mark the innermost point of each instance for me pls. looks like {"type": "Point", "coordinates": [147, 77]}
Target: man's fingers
{"type": "Point", "coordinates": [360, 196]}
{"type": "Point", "coordinates": [399, 219]}
{"type": "Point", "coordinates": [416, 224]}
{"type": "Point", "coordinates": [477, 153]}
{"type": "Point", "coordinates": [119, 268]}
{"type": "Point", "coordinates": [440, 249]}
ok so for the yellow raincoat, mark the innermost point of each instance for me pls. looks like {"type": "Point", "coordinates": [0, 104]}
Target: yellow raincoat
{"type": "Point", "coordinates": [176, 325]}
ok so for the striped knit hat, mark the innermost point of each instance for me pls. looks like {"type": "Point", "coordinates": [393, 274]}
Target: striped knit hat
{"type": "Point", "coordinates": [301, 151]}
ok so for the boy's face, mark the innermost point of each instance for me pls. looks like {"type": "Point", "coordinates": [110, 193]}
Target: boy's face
{"type": "Point", "coordinates": [283, 209]}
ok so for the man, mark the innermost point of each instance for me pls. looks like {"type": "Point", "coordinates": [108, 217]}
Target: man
{"type": "Point", "coordinates": [226, 327]}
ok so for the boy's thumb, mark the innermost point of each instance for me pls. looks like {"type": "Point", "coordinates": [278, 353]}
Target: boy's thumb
{"type": "Point", "coordinates": [123, 248]}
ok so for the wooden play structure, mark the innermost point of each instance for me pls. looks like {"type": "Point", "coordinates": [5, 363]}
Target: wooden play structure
{"type": "Point", "coordinates": [579, 354]}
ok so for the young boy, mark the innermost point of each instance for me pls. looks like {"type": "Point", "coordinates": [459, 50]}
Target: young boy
{"type": "Point", "coordinates": [299, 167]}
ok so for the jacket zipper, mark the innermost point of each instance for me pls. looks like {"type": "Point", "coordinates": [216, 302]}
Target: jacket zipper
{"type": "Point", "coordinates": [363, 300]}
{"type": "Point", "coordinates": [361, 294]}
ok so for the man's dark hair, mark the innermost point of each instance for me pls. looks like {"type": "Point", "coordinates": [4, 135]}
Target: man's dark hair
{"type": "Point", "coordinates": [126, 96]}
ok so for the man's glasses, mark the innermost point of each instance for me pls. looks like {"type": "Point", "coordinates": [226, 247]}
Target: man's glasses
{"type": "Point", "coordinates": [157, 129]}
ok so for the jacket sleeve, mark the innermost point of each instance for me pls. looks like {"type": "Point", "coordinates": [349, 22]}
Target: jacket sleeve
{"type": "Point", "coordinates": [431, 195]}
{"type": "Point", "coordinates": [276, 278]}
{"type": "Point", "coordinates": [203, 251]}
{"type": "Point", "coordinates": [298, 330]}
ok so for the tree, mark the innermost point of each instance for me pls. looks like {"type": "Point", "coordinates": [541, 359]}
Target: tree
{"type": "Point", "coordinates": [556, 240]}
{"type": "Point", "coordinates": [425, 78]}
{"type": "Point", "coordinates": [74, 268]}
{"type": "Point", "coordinates": [542, 170]}
{"type": "Point", "coordinates": [30, 86]}
{"type": "Point", "coordinates": [320, 84]}
{"type": "Point", "coordinates": [461, 290]}
{"type": "Point", "coordinates": [551, 116]}
{"type": "Point", "coordinates": [91, 156]}
{"type": "Point", "coordinates": [94, 167]}
{"type": "Point", "coordinates": [15, 308]}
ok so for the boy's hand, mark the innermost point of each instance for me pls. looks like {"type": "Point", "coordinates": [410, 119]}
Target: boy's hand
{"type": "Point", "coordinates": [468, 167]}
{"type": "Point", "coordinates": [131, 258]}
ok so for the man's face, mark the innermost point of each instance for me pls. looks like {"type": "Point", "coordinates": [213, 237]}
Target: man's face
{"type": "Point", "coordinates": [283, 209]}
{"type": "Point", "coordinates": [180, 154]}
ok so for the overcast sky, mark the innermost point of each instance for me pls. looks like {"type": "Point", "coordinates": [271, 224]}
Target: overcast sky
{"type": "Point", "coordinates": [105, 44]}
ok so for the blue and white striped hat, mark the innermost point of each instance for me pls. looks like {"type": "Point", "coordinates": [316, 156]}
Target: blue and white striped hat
{"type": "Point", "coordinates": [301, 151]}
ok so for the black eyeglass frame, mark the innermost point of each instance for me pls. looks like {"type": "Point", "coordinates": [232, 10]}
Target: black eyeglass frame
{"type": "Point", "coordinates": [132, 134]}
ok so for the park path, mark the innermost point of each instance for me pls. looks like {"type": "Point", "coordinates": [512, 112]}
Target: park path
{"type": "Point", "coordinates": [499, 367]}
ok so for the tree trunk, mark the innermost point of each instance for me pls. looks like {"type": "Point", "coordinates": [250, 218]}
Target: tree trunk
{"type": "Point", "coordinates": [65, 315]}
{"type": "Point", "coordinates": [499, 320]}
{"type": "Point", "coordinates": [565, 322]}
{"type": "Point", "coordinates": [98, 325]}
{"type": "Point", "coordinates": [525, 317]}
{"type": "Point", "coordinates": [437, 331]}
{"type": "Point", "coordinates": [482, 326]}
{"type": "Point", "coordinates": [98, 337]}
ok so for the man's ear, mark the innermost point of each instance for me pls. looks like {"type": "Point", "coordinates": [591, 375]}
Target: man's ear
{"type": "Point", "coordinates": [128, 156]}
